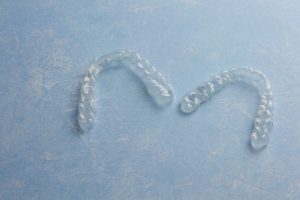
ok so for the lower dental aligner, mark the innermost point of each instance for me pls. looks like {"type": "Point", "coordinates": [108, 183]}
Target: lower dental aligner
{"type": "Point", "coordinates": [155, 83]}
{"type": "Point", "coordinates": [263, 121]}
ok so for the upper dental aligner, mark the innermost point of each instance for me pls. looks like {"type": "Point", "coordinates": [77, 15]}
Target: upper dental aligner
{"type": "Point", "coordinates": [157, 86]}
{"type": "Point", "coordinates": [263, 121]}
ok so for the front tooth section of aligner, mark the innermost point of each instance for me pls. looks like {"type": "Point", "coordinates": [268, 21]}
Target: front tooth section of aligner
{"type": "Point", "coordinates": [112, 59]}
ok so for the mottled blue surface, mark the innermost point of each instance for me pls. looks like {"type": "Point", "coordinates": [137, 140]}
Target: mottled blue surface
{"type": "Point", "coordinates": [136, 150]}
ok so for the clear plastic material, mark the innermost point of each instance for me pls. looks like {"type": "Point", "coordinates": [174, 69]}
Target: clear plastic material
{"type": "Point", "coordinates": [157, 86]}
{"type": "Point", "coordinates": [263, 121]}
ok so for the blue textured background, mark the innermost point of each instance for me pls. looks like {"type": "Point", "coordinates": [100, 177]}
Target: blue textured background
{"type": "Point", "coordinates": [137, 151]}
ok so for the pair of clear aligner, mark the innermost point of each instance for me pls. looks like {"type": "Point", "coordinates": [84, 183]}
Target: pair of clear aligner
{"type": "Point", "coordinates": [161, 91]}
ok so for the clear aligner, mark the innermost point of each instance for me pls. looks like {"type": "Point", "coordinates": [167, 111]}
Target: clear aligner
{"type": "Point", "coordinates": [157, 86]}
{"type": "Point", "coordinates": [263, 121]}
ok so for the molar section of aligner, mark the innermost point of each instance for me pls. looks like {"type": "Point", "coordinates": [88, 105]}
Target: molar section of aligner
{"type": "Point", "coordinates": [86, 105]}
{"type": "Point", "coordinates": [192, 101]}
{"type": "Point", "coordinates": [201, 94]}
{"type": "Point", "coordinates": [160, 91]}
{"type": "Point", "coordinates": [219, 81]}
{"type": "Point", "coordinates": [157, 86]}
{"type": "Point", "coordinates": [263, 122]}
